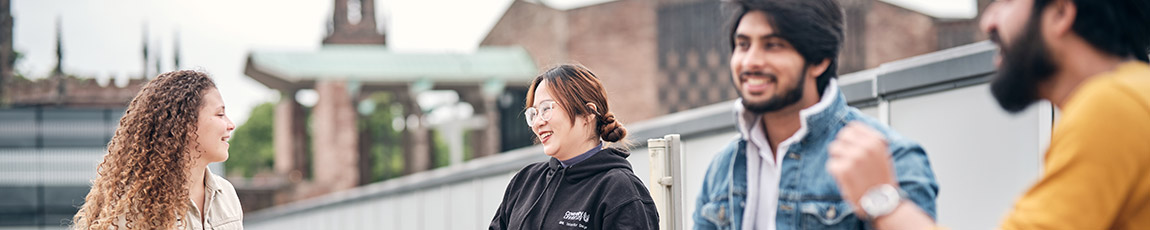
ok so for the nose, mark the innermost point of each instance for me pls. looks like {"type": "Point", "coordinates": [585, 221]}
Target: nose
{"type": "Point", "coordinates": [231, 126]}
{"type": "Point", "coordinates": [536, 123]}
{"type": "Point", "coordinates": [754, 59]}
{"type": "Point", "coordinates": [989, 20]}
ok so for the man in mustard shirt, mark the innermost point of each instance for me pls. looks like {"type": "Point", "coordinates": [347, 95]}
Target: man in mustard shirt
{"type": "Point", "coordinates": [1089, 58]}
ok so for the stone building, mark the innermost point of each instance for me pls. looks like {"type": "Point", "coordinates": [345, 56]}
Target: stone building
{"type": "Point", "coordinates": [657, 57]}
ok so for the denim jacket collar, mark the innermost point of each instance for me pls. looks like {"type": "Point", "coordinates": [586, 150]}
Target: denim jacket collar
{"type": "Point", "coordinates": [831, 107]}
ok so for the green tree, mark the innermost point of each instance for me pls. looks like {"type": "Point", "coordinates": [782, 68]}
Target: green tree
{"type": "Point", "coordinates": [252, 145]}
{"type": "Point", "coordinates": [384, 144]}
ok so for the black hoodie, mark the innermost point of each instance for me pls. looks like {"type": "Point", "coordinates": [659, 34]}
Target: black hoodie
{"type": "Point", "coordinates": [598, 193]}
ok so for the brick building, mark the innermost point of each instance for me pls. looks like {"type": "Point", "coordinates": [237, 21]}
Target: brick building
{"type": "Point", "coordinates": [658, 57]}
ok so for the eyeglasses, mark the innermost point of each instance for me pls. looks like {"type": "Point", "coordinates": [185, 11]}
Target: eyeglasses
{"type": "Point", "coordinates": [543, 111]}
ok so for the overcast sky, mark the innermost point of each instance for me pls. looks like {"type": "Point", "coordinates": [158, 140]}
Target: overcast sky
{"type": "Point", "coordinates": [103, 38]}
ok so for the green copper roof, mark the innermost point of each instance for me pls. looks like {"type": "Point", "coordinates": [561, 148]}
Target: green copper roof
{"type": "Point", "coordinates": [376, 65]}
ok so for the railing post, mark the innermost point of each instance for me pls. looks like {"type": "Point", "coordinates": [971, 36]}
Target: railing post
{"type": "Point", "coordinates": [665, 166]}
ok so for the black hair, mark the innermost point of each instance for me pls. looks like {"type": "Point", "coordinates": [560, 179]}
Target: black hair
{"type": "Point", "coordinates": [813, 27]}
{"type": "Point", "coordinates": [1117, 27]}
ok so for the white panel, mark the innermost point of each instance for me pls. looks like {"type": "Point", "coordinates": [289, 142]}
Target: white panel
{"type": "Point", "coordinates": [641, 162]}
{"type": "Point", "coordinates": [983, 158]}
{"type": "Point", "coordinates": [409, 211]}
{"type": "Point", "coordinates": [871, 111]}
{"type": "Point", "coordinates": [491, 193]}
{"type": "Point", "coordinates": [434, 202]}
{"type": "Point", "coordinates": [351, 215]}
{"type": "Point", "coordinates": [327, 218]}
{"type": "Point", "coordinates": [297, 221]}
{"type": "Point", "coordinates": [313, 220]}
{"type": "Point", "coordinates": [697, 155]}
{"type": "Point", "coordinates": [463, 206]}
{"type": "Point", "coordinates": [384, 212]}
{"type": "Point", "coordinates": [339, 216]}
{"type": "Point", "coordinates": [360, 214]}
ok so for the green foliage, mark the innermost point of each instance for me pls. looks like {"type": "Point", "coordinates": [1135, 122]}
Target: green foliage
{"type": "Point", "coordinates": [252, 147]}
{"type": "Point", "coordinates": [440, 150]}
{"type": "Point", "coordinates": [468, 153]}
{"type": "Point", "coordinates": [385, 145]}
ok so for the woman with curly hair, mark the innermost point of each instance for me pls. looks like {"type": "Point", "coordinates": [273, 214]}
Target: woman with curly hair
{"type": "Point", "coordinates": [155, 175]}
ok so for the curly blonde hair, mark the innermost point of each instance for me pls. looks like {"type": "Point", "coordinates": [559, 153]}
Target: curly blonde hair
{"type": "Point", "coordinates": [141, 182]}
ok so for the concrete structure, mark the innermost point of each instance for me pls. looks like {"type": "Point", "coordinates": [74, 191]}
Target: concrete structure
{"type": "Point", "coordinates": [939, 99]}
{"type": "Point", "coordinates": [616, 40]}
{"type": "Point", "coordinates": [53, 133]}
{"type": "Point", "coordinates": [351, 66]}
{"type": "Point", "coordinates": [343, 75]}
{"type": "Point", "coordinates": [351, 27]}
{"type": "Point", "coordinates": [48, 156]}
{"type": "Point", "coordinates": [70, 91]}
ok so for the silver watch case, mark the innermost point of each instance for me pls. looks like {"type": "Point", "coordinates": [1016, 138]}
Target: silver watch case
{"type": "Point", "coordinates": [881, 200]}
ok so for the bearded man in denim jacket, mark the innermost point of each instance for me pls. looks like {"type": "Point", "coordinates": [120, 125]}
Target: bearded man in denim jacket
{"type": "Point", "coordinates": [774, 176]}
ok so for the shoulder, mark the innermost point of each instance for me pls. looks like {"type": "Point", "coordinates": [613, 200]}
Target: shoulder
{"type": "Point", "coordinates": [721, 164]}
{"type": "Point", "coordinates": [1124, 91]}
{"type": "Point", "coordinates": [533, 168]}
{"type": "Point", "coordinates": [1114, 103]}
{"type": "Point", "coordinates": [1110, 109]}
{"type": "Point", "coordinates": [228, 200]}
{"type": "Point", "coordinates": [621, 178]}
{"type": "Point", "coordinates": [223, 184]}
{"type": "Point", "coordinates": [897, 141]}
{"type": "Point", "coordinates": [1131, 78]}
{"type": "Point", "coordinates": [526, 173]}
{"type": "Point", "coordinates": [727, 152]}
{"type": "Point", "coordinates": [623, 186]}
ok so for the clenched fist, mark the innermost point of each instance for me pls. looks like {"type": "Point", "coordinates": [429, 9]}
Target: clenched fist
{"type": "Point", "coordinates": [859, 160]}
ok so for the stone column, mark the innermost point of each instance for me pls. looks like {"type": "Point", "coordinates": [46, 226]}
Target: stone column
{"type": "Point", "coordinates": [289, 137]}
{"type": "Point", "coordinates": [485, 141]}
{"type": "Point", "coordinates": [334, 138]}
{"type": "Point", "coordinates": [416, 141]}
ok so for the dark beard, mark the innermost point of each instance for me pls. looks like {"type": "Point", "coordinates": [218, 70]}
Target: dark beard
{"type": "Point", "coordinates": [790, 96]}
{"type": "Point", "coordinates": [1026, 63]}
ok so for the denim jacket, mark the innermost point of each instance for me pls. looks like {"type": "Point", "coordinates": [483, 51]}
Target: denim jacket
{"type": "Point", "coordinates": [808, 196]}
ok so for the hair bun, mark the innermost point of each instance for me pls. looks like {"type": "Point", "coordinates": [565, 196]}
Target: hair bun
{"type": "Point", "coordinates": [611, 130]}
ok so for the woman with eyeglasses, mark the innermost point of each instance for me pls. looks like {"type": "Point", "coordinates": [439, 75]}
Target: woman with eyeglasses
{"type": "Point", "coordinates": [585, 185]}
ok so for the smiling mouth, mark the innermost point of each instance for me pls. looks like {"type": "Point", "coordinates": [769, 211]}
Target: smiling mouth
{"type": "Point", "coordinates": [755, 83]}
{"type": "Point", "coordinates": [225, 139]}
{"type": "Point", "coordinates": [544, 136]}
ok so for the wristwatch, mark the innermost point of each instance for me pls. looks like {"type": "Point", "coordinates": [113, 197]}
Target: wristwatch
{"type": "Point", "coordinates": [881, 200]}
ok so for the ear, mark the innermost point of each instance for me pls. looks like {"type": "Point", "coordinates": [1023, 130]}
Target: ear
{"type": "Point", "coordinates": [817, 69]}
{"type": "Point", "coordinates": [593, 108]}
{"type": "Point", "coordinates": [1058, 18]}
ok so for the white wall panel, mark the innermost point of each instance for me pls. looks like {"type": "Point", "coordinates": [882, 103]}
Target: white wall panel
{"type": "Point", "coordinates": [983, 158]}
{"type": "Point", "coordinates": [698, 153]}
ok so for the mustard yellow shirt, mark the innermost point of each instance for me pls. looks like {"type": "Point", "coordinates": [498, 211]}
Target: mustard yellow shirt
{"type": "Point", "coordinates": [1097, 169]}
